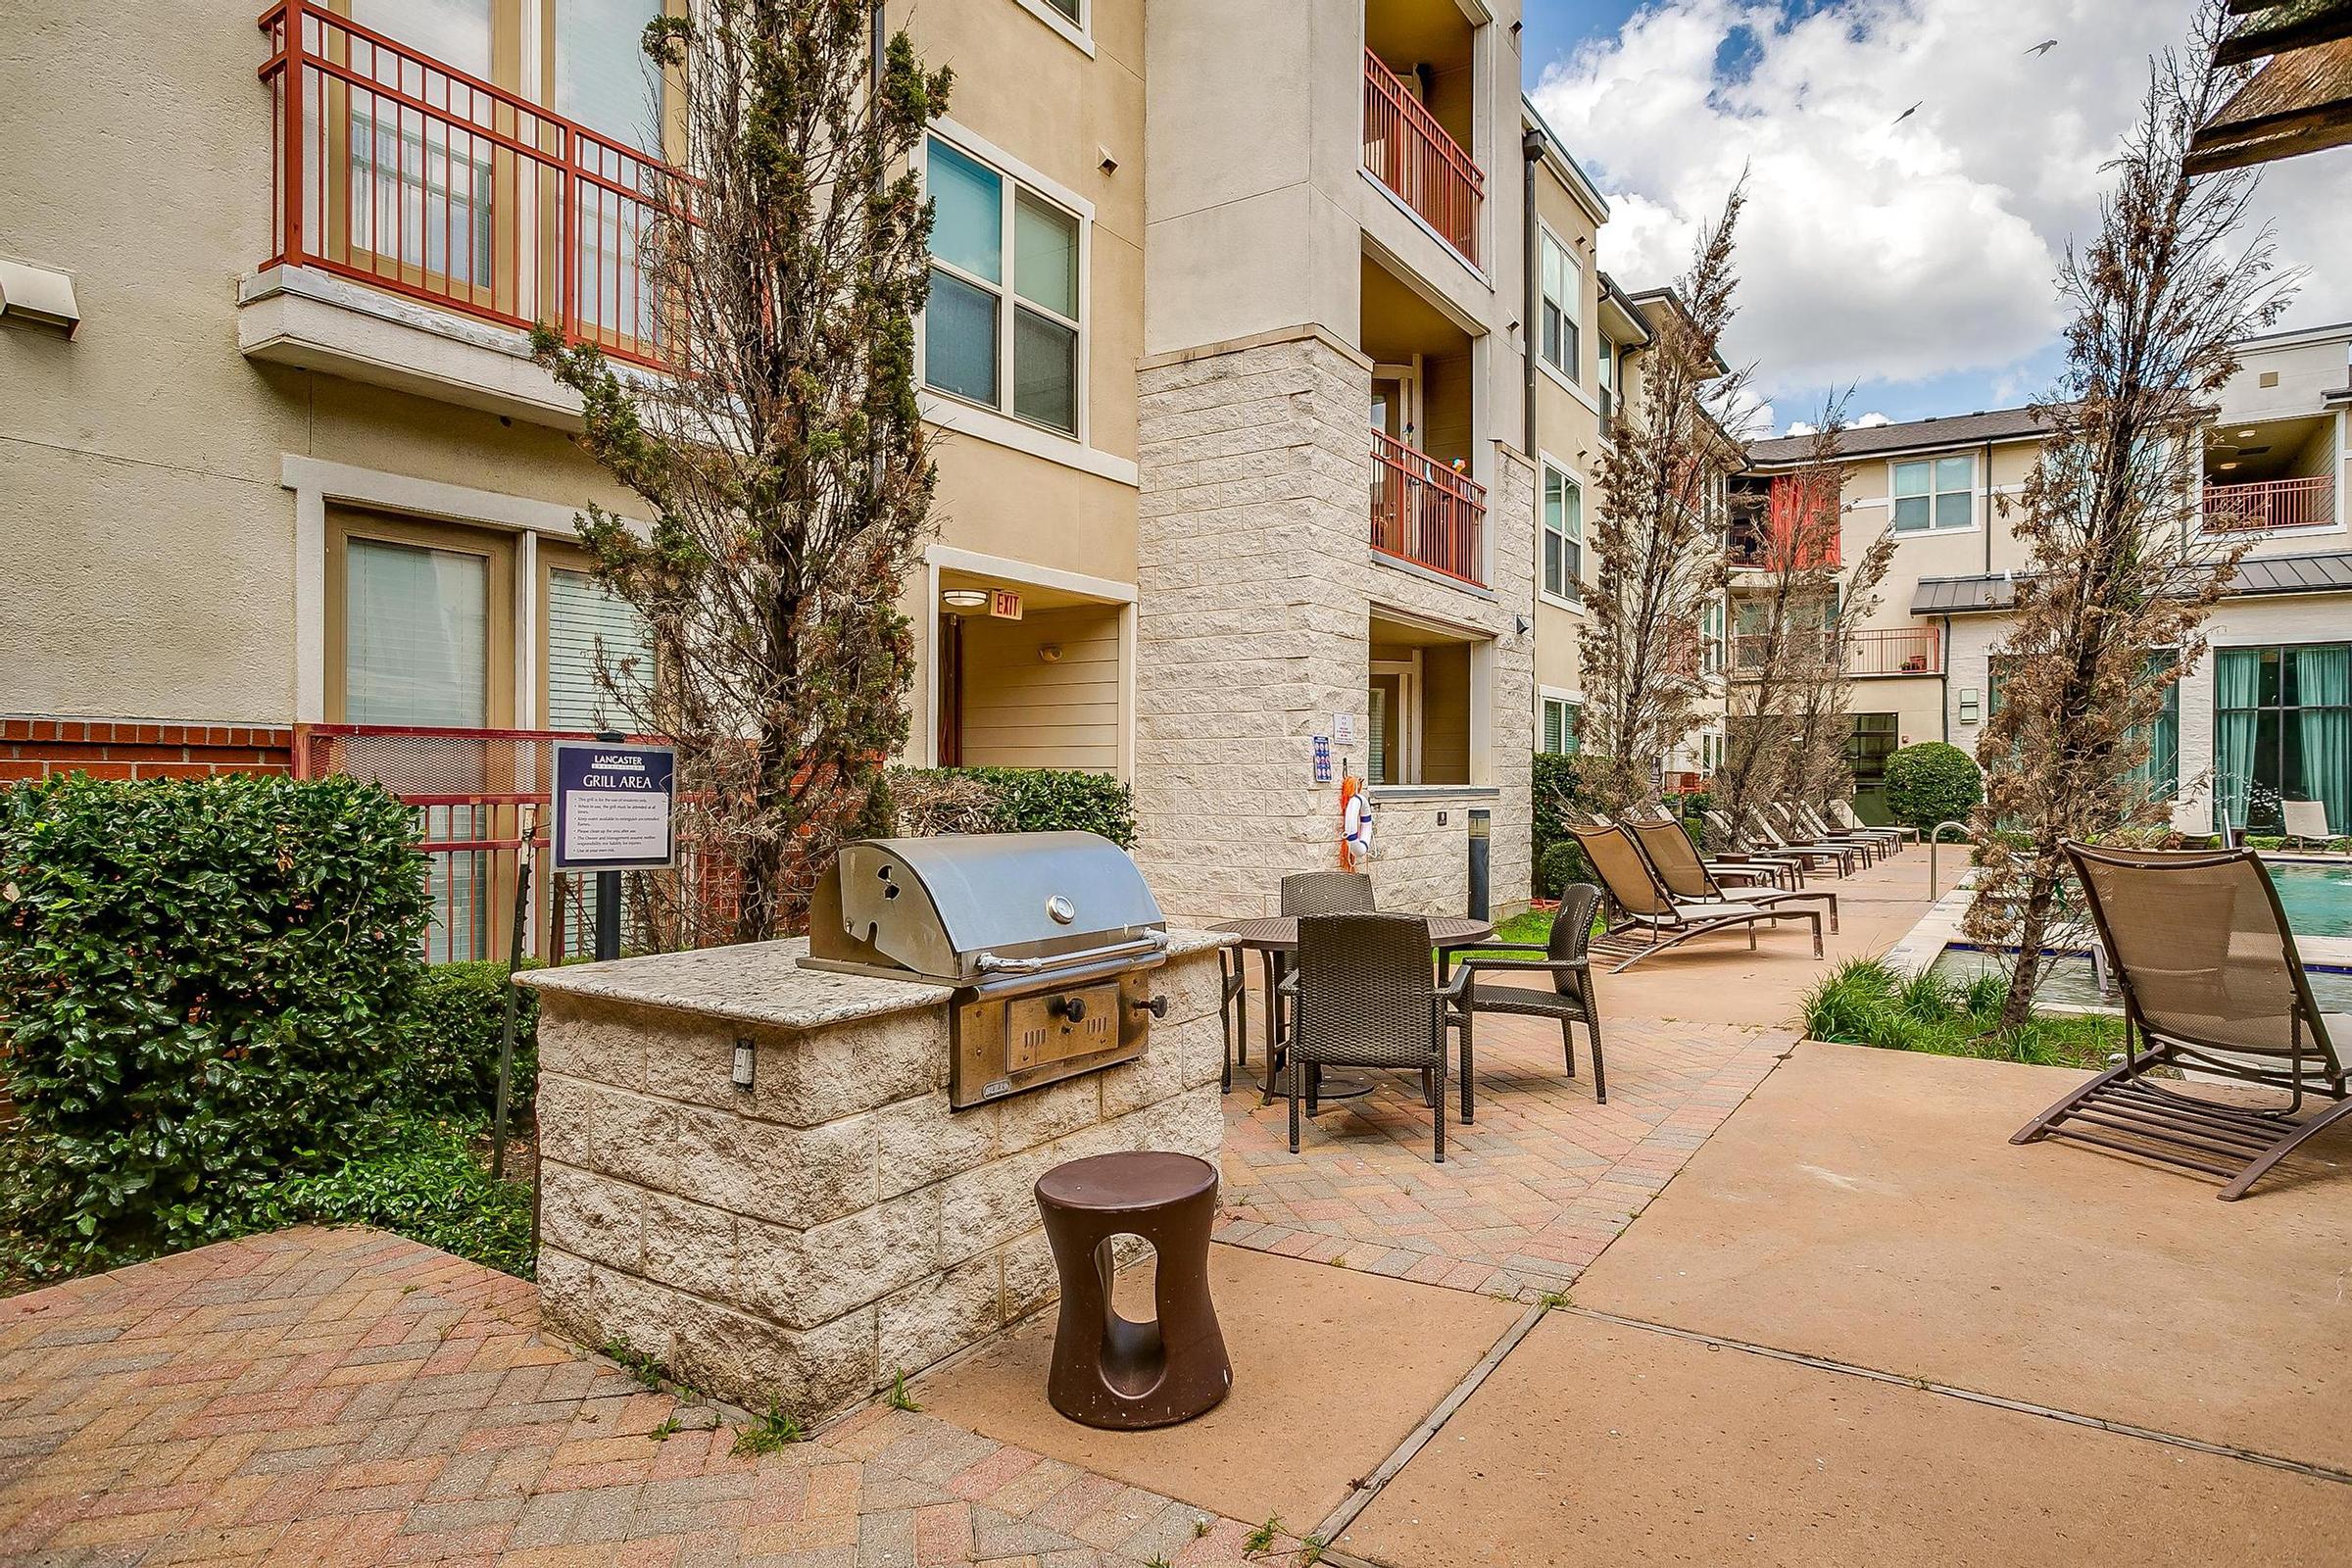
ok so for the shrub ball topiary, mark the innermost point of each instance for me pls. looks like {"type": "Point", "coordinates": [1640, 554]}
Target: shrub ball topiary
{"type": "Point", "coordinates": [1931, 783]}
{"type": "Point", "coordinates": [202, 984]}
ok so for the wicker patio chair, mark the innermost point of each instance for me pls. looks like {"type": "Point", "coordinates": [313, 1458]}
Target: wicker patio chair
{"type": "Point", "coordinates": [1233, 1006]}
{"type": "Point", "coordinates": [1306, 893]}
{"type": "Point", "coordinates": [1644, 904]}
{"type": "Point", "coordinates": [1367, 998]}
{"type": "Point", "coordinates": [1841, 815]}
{"type": "Point", "coordinates": [1686, 877]}
{"type": "Point", "coordinates": [1570, 1000]}
{"type": "Point", "coordinates": [2212, 983]}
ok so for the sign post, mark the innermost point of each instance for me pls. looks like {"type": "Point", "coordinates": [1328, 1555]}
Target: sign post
{"type": "Point", "coordinates": [615, 805]}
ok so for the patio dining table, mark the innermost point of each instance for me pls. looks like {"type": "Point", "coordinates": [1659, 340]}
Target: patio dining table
{"type": "Point", "coordinates": [1275, 937]}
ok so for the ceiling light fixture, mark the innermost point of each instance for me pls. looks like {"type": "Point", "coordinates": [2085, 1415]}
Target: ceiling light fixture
{"type": "Point", "coordinates": [964, 598]}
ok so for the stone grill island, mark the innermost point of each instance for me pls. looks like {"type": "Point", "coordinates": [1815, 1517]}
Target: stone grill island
{"type": "Point", "coordinates": [799, 1240]}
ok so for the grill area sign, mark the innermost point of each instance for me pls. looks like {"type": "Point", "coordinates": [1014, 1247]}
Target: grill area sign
{"type": "Point", "coordinates": [614, 806]}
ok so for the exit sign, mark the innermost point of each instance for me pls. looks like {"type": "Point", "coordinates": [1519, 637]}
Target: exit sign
{"type": "Point", "coordinates": [1005, 604]}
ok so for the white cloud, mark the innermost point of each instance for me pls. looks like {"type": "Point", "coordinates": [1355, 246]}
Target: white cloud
{"type": "Point", "coordinates": [1871, 421]}
{"type": "Point", "coordinates": [1876, 250]}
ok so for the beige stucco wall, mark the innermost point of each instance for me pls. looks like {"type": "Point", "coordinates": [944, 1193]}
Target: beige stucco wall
{"type": "Point", "coordinates": [1568, 432]}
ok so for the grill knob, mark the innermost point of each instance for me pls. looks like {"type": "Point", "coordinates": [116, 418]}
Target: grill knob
{"type": "Point", "coordinates": [1072, 1009]}
{"type": "Point", "coordinates": [1158, 1006]}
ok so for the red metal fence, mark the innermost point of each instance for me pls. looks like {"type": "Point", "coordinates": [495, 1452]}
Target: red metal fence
{"type": "Point", "coordinates": [412, 176]}
{"type": "Point", "coordinates": [473, 789]}
{"type": "Point", "coordinates": [1424, 511]}
{"type": "Point", "coordinates": [2272, 504]}
{"type": "Point", "coordinates": [1410, 153]}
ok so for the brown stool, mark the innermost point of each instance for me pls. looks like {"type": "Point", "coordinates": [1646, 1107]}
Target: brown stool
{"type": "Point", "coordinates": [1109, 1372]}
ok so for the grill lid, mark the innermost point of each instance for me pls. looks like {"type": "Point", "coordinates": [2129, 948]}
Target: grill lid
{"type": "Point", "coordinates": [937, 905]}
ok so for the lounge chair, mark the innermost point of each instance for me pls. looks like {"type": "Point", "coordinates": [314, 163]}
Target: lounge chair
{"type": "Point", "coordinates": [1744, 850]}
{"type": "Point", "coordinates": [1644, 904]}
{"type": "Point", "coordinates": [1841, 814]}
{"type": "Point", "coordinates": [1686, 877]}
{"type": "Point", "coordinates": [1367, 998]}
{"type": "Point", "coordinates": [1800, 826]}
{"type": "Point", "coordinates": [2305, 822]}
{"type": "Point", "coordinates": [1884, 840]}
{"type": "Point", "coordinates": [2212, 984]}
{"type": "Point", "coordinates": [1570, 1000]}
{"type": "Point", "coordinates": [1842, 856]}
{"type": "Point", "coordinates": [1737, 870]}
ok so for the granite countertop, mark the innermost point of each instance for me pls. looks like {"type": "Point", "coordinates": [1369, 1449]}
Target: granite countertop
{"type": "Point", "coordinates": [763, 983]}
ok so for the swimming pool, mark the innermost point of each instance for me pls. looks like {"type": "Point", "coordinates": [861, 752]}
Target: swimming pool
{"type": "Point", "coordinates": [2070, 982]}
{"type": "Point", "coordinates": [2317, 897]}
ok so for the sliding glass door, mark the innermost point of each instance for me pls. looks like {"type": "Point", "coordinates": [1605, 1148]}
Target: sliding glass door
{"type": "Point", "coordinates": [2282, 732]}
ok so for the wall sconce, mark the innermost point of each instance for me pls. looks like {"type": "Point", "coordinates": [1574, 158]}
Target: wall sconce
{"type": "Point", "coordinates": [1521, 622]}
{"type": "Point", "coordinates": [1968, 704]}
{"type": "Point", "coordinates": [1049, 653]}
{"type": "Point", "coordinates": [964, 598]}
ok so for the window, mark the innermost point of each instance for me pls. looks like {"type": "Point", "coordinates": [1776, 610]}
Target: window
{"type": "Point", "coordinates": [589, 629]}
{"type": "Point", "coordinates": [1561, 716]}
{"type": "Point", "coordinates": [1934, 494]}
{"type": "Point", "coordinates": [1075, 9]}
{"type": "Point", "coordinates": [1563, 535]}
{"type": "Point", "coordinates": [2282, 732]}
{"type": "Point", "coordinates": [1871, 741]}
{"type": "Point", "coordinates": [1710, 753]}
{"type": "Point", "coordinates": [1563, 307]}
{"type": "Point", "coordinates": [1710, 638]}
{"type": "Point", "coordinates": [1604, 365]}
{"type": "Point", "coordinates": [417, 635]}
{"type": "Point", "coordinates": [1002, 326]}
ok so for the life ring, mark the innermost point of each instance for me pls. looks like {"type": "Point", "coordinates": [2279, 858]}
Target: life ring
{"type": "Point", "coordinates": [1355, 823]}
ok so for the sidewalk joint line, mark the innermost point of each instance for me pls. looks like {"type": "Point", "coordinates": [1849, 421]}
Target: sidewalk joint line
{"type": "Point", "coordinates": [1357, 1500]}
{"type": "Point", "coordinates": [1997, 1401]}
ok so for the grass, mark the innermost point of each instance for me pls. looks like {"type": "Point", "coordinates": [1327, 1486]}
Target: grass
{"type": "Point", "coordinates": [1533, 926]}
{"type": "Point", "coordinates": [773, 1431]}
{"type": "Point", "coordinates": [899, 1399]}
{"type": "Point", "coordinates": [1864, 1002]}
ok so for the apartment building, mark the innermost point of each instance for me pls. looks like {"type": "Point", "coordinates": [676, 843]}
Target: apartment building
{"type": "Point", "coordinates": [2266, 715]}
{"type": "Point", "coordinates": [1239, 491]}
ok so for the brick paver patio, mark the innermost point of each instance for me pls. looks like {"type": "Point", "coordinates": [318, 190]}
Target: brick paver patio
{"type": "Point", "coordinates": [351, 1397]}
{"type": "Point", "coordinates": [1529, 1194]}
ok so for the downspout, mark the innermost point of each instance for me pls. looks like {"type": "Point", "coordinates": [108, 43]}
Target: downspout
{"type": "Point", "coordinates": [1945, 682]}
{"type": "Point", "coordinates": [1531, 146]}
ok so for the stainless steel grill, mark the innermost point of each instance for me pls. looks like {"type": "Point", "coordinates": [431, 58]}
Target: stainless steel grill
{"type": "Point", "coordinates": [1049, 940]}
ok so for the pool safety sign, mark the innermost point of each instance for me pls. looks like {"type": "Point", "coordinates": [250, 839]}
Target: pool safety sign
{"type": "Point", "coordinates": [614, 806]}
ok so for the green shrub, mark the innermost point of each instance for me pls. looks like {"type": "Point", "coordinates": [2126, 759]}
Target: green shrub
{"type": "Point", "coordinates": [419, 1177]}
{"type": "Point", "coordinates": [1563, 865]}
{"type": "Point", "coordinates": [1864, 1002]}
{"type": "Point", "coordinates": [203, 983]}
{"type": "Point", "coordinates": [1554, 780]}
{"type": "Point", "coordinates": [1932, 782]}
{"type": "Point", "coordinates": [450, 1039]}
{"type": "Point", "coordinates": [1037, 800]}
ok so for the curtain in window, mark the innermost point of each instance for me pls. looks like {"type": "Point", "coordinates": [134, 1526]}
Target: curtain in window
{"type": "Point", "coordinates": [416, 636]}
{"type": "Point", "coordinates": [582, 621]}
{"type": "Point", "coordinates": [2236, 693]}
{"type": "Point", "coordinates": [2323, 677]}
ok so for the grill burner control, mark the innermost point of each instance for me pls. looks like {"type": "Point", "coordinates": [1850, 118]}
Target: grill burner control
{"type": "Point", "coordinates": [1158, 1006]}
{"type": "Point", "coordinates": [1070, 1007]}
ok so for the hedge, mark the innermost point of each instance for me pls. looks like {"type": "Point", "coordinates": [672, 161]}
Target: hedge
{"type": "Point", "coordinates": [1041, 800]}
{"type": "Point", "coordinates": [449, 1037]}
{"type": "Point", "coordinates": [204, 983]}
{"type": "Point", "coordinates": [1554, 780]}
{"type": "Point", "coordinates": [1932, 782]}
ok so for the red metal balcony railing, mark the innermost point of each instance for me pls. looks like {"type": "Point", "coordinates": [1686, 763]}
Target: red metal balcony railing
{"type": "Point", "coordinates": [1424, 511]}
{"type": "Point", "coordinates": [1410, 153]}
{"type": "Point", "coordinates": [2272, 504]}
{"type": "Point", "coordinates": [409, 176]}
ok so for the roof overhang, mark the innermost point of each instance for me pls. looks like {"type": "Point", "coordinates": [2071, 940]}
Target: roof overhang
{"type": "Point", "coordinates": [2258, 578]}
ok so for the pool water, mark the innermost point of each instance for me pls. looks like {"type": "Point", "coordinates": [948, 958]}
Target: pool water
{"type": "Point", "coordinates": [2317, 898]}
{"type": "Point", "coordinates": [2072, 983]}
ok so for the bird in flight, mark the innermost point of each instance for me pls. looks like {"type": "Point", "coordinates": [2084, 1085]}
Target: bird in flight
{"type": "Point", "coordinates": [2043, 47]}
{"type": "Point", "coordinates": [1909, 112]}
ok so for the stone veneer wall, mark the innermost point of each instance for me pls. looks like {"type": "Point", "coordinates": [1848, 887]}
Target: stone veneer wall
{"type": "Point", "coordinates": [800, 1242]}
{"type": "Point", "coordinates": [1257, 585]}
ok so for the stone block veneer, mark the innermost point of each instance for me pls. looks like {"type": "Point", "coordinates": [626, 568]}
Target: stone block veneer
{"type": "Point", "coordinates": [799, 1241]}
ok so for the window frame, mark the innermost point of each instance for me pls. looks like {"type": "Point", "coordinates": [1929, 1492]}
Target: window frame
{"type": "Point", "coordinates": [1975, 492]}
{"type": "Point", "coordinates": [1546, 467]}
{"type": "Point", "coordinates": [1078, 32]}
{"type": "Point", "coordinates": [1572, 310]}
{"type": "Point", "coordinates": [1572, 711]}
{"type": "Point", "coordinates": [1016, 178]}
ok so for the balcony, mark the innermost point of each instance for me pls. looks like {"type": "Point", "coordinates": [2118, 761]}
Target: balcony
{"type": "Point", "coordinates": [1891, 650]}
{"type": "Point", "coordinates": [400, 182]}
{"type": "Point", "coordinates": [2273, 503]}
{"type": "Point", "coordinates": [1425, 512]}
{"type": "Point", "coordinates": [1410, 152]}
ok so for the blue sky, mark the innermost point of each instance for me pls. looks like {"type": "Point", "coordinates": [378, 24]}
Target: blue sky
{"type": "Point", "coordinates": [1910, 259]}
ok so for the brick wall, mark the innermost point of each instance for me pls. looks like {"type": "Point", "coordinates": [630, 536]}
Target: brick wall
{"type": "Point", "coordinates": [32, 748]}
